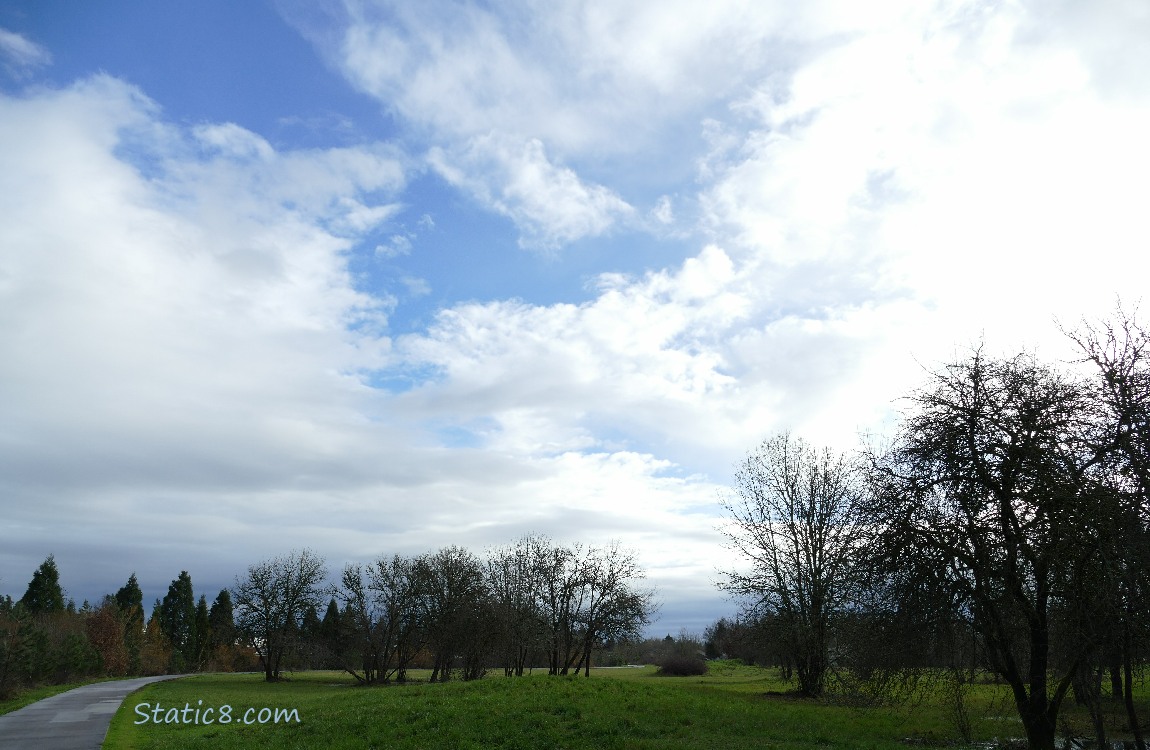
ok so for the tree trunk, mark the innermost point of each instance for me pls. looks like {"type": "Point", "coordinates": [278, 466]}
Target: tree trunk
{"type": "Point", "coordinates": [1128, 693]}
{"type": "Point", "coordinates": [1115, 668]}
{"type": "Point", "coordinates": [1040, 730]}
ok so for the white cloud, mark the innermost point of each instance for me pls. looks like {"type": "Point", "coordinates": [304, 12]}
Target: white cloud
{"type": "Point", "coordinates": [646, 357]}
{"type": "Point", "coordinates": [926, 176]}
{"type": "Point", "coordinates": [188, 317]}
{"type": "Point", "coordinates": [549, 204]}
{"type": "Point", "coordinates": [234, 141]}
{"type": "Point", "coordinates": [183, 359]}
{"type": "Point", "coordinates": [397, 244]}
{"type": "Point", "coordinates": [416, 287]}
{"type": "Point", "coordinates": [962, 158]}
{"type": "Point", "coordinates": [696, 365]}
{"type": "Point", "coordinates": [495, 88]}
{"type": "Point", "coordinates": [20, 55]}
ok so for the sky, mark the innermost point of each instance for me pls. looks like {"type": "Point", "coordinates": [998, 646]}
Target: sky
{"type": "Point", "coordinates": [381, 277]}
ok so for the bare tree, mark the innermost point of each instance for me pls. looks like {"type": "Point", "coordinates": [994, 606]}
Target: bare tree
{"type": "Point", "coordinates": [793, 517]}
{"type": "Point", "coordinates": [455, 606]}
{"type": "Point", "coordinates": [364, 647]}
{"type": "Point", "coordinates": [989, 494]}
{"type": "Point", "coordinates": [270, 601]}
{"type": "Point", "coordinates": [566, 600]}
{"type": "Point", "coordinates": [611, 609]}
{"type": "Point", "coordinates": [559, 598]}
{"type": "Point", "coordinates": [396, 587]}
{"type": "Point", "coordinates": [514, 581]}
{"type": "Point", "coordinates": [1120, 351]}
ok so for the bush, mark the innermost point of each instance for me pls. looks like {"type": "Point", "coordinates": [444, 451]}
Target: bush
{"type": "Point", "coordinates": [682, 666]}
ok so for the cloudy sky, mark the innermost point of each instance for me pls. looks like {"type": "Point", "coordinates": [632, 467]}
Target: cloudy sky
{"type": "Point", "coordinates": [379, 277]}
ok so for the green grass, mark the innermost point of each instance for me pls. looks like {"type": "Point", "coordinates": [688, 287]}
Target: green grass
{"type": "Point", "coordinates": [26, 697]}
{"type": "Point", "coordinates": [731, 706]}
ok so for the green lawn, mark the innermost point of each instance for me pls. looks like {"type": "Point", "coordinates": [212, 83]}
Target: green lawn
{"type": "Point", "coordinates": [731, 707]}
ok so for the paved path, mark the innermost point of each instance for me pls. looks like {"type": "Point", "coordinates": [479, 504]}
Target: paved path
{"type": "Point", "coordinates": [75, 720]}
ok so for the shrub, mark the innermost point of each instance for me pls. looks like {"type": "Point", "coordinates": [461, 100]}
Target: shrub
{"type": "Point", "coordinates": [682, 666]}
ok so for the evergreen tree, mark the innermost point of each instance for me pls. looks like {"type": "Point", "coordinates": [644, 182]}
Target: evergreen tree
{"type": "Point", "coordinates": [221, 621]}
{"type": "Point", "coordinates": [310, 643]}
{"type": "Point", "coordinates": [329, 628]}
{"type": "Point", "coordinates": [329, 639]}
{"type": "Point", "coordinates": [202, 634]}
{"type": "Point", "coordinates": [44, 593]}
{"type": "Point", "coordinates": [178, 621]}
{"type": "Point", "coordinates": [130, 601]}
{"type": "Point", "coordinates": [311, 623]}
{"type": "Point", "coordinates": [130, 597]}
{"type": "Point", "coordinates": [155, 649]}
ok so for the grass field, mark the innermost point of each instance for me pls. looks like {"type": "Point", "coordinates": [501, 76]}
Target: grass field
{"type": "Point", "coordinates": [731, 707]}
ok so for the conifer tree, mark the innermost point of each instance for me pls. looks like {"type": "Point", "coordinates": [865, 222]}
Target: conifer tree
{"type": "Point", "coordinates": [130, 601]}
{"type": "Point", "coordinates": [178, 621]}
{"type": "Point", "coordinates": [221, 621]}
{"type": "Point", "coordinates": [201, 636]}
{"type": "Point", "coordinates": [44, 593]}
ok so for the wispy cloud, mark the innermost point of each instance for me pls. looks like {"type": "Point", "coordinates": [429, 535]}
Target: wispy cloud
{"type": "Point", "coordinates": [19, 55]}
{"type": "Point", "coordinates": [522, 105]}
{"type": "Point", "coordinates": [549, 203]}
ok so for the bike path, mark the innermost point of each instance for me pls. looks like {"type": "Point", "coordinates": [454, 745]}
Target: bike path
{"type": "Point", "coordinates": [75, 720]}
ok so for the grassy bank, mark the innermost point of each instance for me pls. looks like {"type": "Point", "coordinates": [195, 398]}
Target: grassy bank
{"type": "Point", "coordinates": [733, 706]}
{"type": "Point", "coordinates": [31, 695]}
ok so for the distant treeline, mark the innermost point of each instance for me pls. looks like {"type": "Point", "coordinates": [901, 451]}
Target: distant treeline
{"type": "Point", "coordinates": [529, 604]}
{"type": "Point", "coordinates": [47, 640]}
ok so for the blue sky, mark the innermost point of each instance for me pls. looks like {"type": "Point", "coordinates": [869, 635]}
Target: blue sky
{"type": "Point", "coordinates": [377, 277]}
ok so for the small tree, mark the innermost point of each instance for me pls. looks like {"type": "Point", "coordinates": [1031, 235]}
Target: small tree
{"type": "Point", "coordinates": [454, 603]}
{"type": "Point", "coordinates": [793, 517]}
{"type": "Point", "coordinates": [331, 634]}
{"type": "Point", "coordinates": [105, 629]}
{"type": "Point", "coordinates": [270, 601]}
{"type": "Point", "coordinates": [611, 609]}
{"type": "Point", "coordinates": [365, 648]}
{"type": "Point", "coordinates": [513, 580]}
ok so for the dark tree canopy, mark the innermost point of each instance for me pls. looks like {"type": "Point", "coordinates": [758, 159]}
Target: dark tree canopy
{"type": "Point", "coordinates": [990, 490]}
{"type": "Point", "coordinates": [270, 601]}
{"type": "Point", "coordinates": [221, 621]}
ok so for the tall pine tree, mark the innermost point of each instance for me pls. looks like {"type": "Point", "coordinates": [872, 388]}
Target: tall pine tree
{"type": "Point", "coordinates": [178, 621]}
{"type": "Point", "coordinates": [130, 601]}
{"type": "Point", "coordinates": [202, 635]}
{"type": "Point", "coordinates": [222, 621]}
{"type": "Point", "coordinates": [44, 593]}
